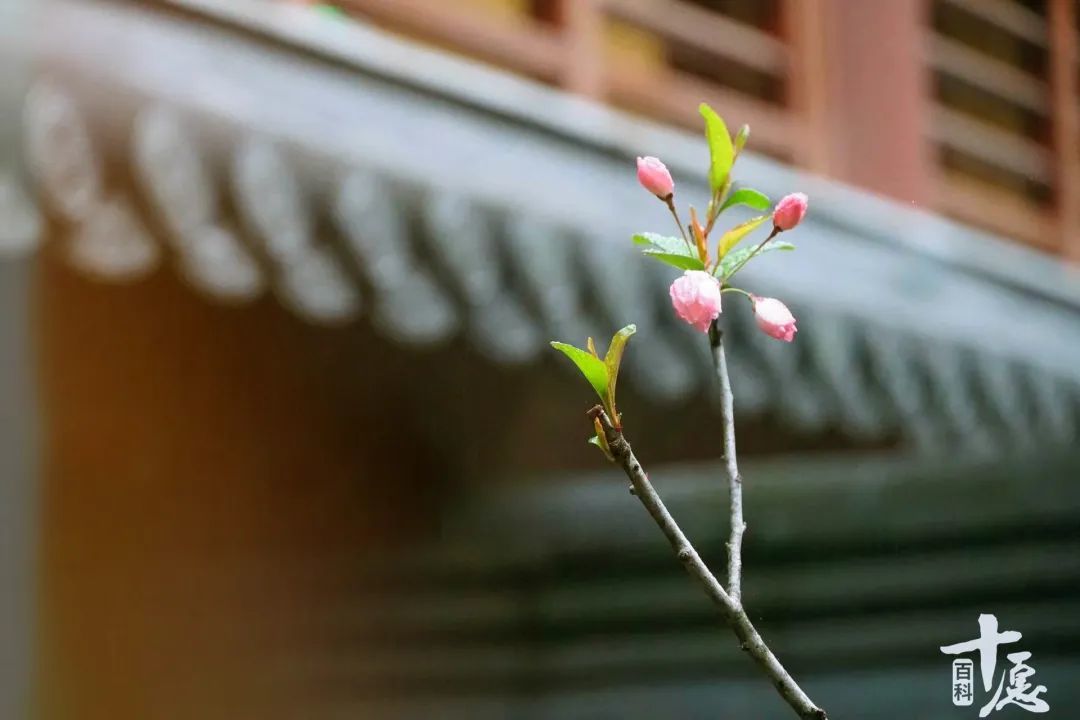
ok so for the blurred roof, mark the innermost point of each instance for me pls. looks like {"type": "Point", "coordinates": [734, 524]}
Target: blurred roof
{"type": "Point", "coordinates": [351, 173]}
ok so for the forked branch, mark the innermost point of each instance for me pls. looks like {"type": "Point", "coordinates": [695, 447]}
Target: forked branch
{"type": "Point", "coordinates": [730, 606]}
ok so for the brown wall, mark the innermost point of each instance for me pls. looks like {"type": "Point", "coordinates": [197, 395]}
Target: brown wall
{"type": "Point", "coordinates": [210, 477]}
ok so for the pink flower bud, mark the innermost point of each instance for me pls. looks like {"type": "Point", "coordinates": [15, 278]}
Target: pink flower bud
{"type": "Point", "coordinates": [654, 177]}
{"type": "Point", "coordinates": [696, 297]}
{"type": "Point", "coordinates": [774, 318]}
{"type": "Point", "coordinates": [789, 211]}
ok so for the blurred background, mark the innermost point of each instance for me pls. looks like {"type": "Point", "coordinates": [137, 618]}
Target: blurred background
{"type": "Point", "coordinates": [280, 432]}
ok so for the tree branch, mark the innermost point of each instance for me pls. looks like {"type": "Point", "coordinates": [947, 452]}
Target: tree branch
{"type": "Point", "coordinates": [727, 415]}
{"type": "Point", "coordinates": [644, 491]}
{"type": "Point", "coordinates": [749, 638]}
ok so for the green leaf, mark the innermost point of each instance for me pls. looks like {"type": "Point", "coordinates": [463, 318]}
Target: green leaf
{"type": "Point", "coordinates": [736, 258]}
{"type": "Point", "coordinates": [749, 197]}
{"type": "Point", "coordinates": [740, 139]}
{"type": "Point", "coordinates": [732, 237]}
{"type": "Point", "coordinates": [613, 359]}
{"type": "Point", "coordinates": [330, 11]}
{"type": "Point", "coordinates": [599, 442]}
{"type": "Point", "coordinates": [663, 243]}
{"type": "Point", "coordinates": [721, 151]}
{"type": "Point", "coordinates": [683, 262]}
{"type": "Point", "coordinates": [592, 367]}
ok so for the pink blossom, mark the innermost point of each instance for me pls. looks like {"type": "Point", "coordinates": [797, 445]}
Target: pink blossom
{"type": "Point", "coordinates": [696, 297]}
{"type": "Point", "coordinates": [774, 318]}
{"type": "Point", "coordinates": [654, 177]}
{"type": "Point", "coordinates": [789, 211]}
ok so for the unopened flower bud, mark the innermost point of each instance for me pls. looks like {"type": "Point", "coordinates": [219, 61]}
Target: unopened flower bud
{"type": "Point", "coordinates": [654, 177]}
{"type": "Point", "coordinates": [774, 318]}
{"type": "Point", "coordinates": [789, 211]}
{"type": "Point", "coordinates": [696, 298]}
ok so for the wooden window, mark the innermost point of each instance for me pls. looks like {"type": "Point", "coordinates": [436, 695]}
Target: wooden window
{"type": "Point", "coordinates": [967, 106]}
{"type": "Point", "coordinates": [660, 58]}
{"type": "Point", "coordinates": [992, 114]}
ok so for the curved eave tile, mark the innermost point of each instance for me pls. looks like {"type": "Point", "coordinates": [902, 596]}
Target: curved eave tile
{"type": "Point", "coordinates": [346, 195]}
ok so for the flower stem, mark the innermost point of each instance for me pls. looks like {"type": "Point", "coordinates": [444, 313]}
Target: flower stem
{"type": "Point", "coordinates": [682, 230]}
{"type": "Point", "coordinates": [730, 289]}
{"type": "Point", "coordinates": [775, 231]}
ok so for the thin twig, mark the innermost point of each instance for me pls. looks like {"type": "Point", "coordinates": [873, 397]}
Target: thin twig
{"type": "Point", "coordinates": [715, 207]}
{"type": "Point", "coordinates": [644, 491]}
{"type": "Point", "coordinates": [775, 231]}
{"type": "Point", "coordinates": [727, 416]}
{"type": "Point", "coordinates": [749, 638]}
{"type": "Point", "coordinates": [670, 201]}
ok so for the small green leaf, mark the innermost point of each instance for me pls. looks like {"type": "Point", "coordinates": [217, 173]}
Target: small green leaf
{"type": "Point", "coordinates": [749, 197]}
{"type": "Point", "coordinates": [613, 359]}
{"type": "Point", "coordinates": [740, 138]}
{"type": "Point", "coordinates": [663, 243]}
{"type": "Point", "coordinates": [591, 367]}
{"type": "Point", "coordinates": [732, 237]}
{"type": "Point", "coordinates": [736, 258]}
{"type": "Point", "coordinates": [330, 11]}
{"type": "Point", "coordinates": [721, 151]}
{"type": "Point", "coordinates": [602, 444]}
{"type": "Point", "coordinates": [683, 262]}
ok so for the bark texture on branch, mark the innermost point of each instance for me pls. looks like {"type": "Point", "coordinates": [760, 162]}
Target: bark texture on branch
{"type": "Point", "coordinates": [731, 463]}
{"type": "Point", "coordinates": [731, 608]}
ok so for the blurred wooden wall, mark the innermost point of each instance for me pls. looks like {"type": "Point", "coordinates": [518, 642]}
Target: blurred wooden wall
{"type": "Point", "coordinates": [209, 477]}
